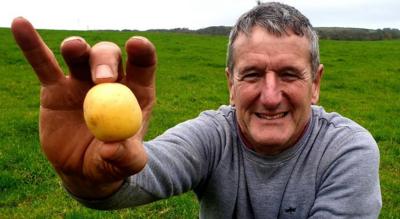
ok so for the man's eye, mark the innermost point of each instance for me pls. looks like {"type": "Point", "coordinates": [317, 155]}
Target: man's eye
{"type": "Point", "coordinates": [289, 75]}
{"type": "Point", "coordinates": [250, 76]}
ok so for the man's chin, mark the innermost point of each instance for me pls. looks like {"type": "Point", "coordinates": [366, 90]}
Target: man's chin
{"type": "Point", "coordinates": [270, 143]}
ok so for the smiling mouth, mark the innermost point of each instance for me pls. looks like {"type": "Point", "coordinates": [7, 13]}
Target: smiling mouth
{"type": "Point", "coordinates": [271, 117]}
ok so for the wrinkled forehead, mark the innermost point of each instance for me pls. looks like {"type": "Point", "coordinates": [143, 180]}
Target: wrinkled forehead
{"type": "Point", "coordinates": [259, 38]}
{"type": "Point", "coordinates": [288, 47]}
{"type": "Point", "coordinates": [260, 30]}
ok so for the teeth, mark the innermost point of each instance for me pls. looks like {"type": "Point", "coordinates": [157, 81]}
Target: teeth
{"type": "Point", "coordinates": [270, 117]}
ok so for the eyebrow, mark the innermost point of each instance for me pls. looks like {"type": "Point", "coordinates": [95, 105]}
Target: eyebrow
{"type": "Point", "coordinates": [246, 69]}
{"type": "Point", "coordinates": [290, 68]}
{"type": "Point", "coordinates": [279, 69]}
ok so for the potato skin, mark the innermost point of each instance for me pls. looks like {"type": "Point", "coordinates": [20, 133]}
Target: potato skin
{"type": "Point", "coordinates": [112, 112]}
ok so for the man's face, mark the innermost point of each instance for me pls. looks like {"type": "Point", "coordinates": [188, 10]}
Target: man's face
{"type": "Point", "coordinates": [272, 89]}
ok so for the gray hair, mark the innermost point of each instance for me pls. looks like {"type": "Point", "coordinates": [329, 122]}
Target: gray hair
{"type": "Point", "coordinates": [277, 19]}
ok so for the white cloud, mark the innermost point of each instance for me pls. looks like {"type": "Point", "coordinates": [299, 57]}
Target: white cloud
{"type": "Point", "coordinates": [193, 14]}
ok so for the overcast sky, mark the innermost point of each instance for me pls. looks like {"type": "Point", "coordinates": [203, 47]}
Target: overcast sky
{"type": "Point", "coordinates": [192, 14]}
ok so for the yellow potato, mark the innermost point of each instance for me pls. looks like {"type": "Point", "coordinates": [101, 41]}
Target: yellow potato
{"type": "Point", "coordinates": [112, 112]}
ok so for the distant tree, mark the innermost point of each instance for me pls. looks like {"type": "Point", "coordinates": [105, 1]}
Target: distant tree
{"type": "Point", "coordinates": [259, 2]}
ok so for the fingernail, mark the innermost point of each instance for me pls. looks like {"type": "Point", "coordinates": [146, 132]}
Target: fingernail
{"type": "Point", "coordinates": [140, 38]}
{"type": "Point", "coordinates": [71, 39]}
{"type": "Point", "coordinates": [103, 71]}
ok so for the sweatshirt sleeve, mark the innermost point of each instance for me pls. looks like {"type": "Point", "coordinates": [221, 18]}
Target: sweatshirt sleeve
{"type": "Point", "coordinates": [349, 185]}
{"type": "Point", "coordinates": [178, 160]}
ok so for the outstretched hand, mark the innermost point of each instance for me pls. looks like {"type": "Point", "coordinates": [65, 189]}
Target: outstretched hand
{"type": "Point", "coordinates": [88, 167]}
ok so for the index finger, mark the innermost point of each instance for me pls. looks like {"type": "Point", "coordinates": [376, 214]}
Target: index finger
{"type": "Point", "coordinates": [142, 61]}
{"type": "Point", "coordinates": [36, 51]}
{"type": "Point", "coordinates": [140, 76]}
{"type": "Point", "coordinates": [140, 70]}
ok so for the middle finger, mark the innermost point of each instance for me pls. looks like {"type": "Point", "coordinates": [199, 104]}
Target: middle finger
{"type": "Point", "coordinates": [105, 62]}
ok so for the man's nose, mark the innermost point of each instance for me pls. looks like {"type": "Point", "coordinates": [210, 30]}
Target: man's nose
{"type": "Point", "coordinates": [271, 91]}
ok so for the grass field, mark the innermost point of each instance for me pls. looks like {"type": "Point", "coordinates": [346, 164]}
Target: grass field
{"type": "Point", "coordinates": [361, 81]}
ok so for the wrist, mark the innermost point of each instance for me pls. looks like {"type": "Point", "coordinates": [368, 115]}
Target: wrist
{"type": "Point", "coordinates": [85, 189]}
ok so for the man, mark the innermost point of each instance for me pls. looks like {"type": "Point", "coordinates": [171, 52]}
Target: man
{"type": "Point", "coordinates": [271, 154]}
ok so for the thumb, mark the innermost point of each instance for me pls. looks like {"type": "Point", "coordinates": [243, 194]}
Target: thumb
{"type": "Point", "coordinates": [126, 157]}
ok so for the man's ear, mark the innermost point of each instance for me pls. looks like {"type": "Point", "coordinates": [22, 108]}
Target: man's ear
{"type": "Point", "coordinates": [229, 79]}
{"type": "Point", "coordinates": [316, 84]}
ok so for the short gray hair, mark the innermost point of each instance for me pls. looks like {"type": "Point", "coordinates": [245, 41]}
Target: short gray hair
{"type": "Point", "coordinates": [277, 19]}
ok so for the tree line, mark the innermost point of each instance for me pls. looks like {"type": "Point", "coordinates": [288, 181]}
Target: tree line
{"type": "Point", "coordinates": [331, 33]}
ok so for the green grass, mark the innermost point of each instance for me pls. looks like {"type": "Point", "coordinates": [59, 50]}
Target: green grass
{"type": "Point", "coordinates": [361, 81]}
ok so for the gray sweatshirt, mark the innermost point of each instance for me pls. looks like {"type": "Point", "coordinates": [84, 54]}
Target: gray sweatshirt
{"type": "Point", "coordinates": [332, 171]}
